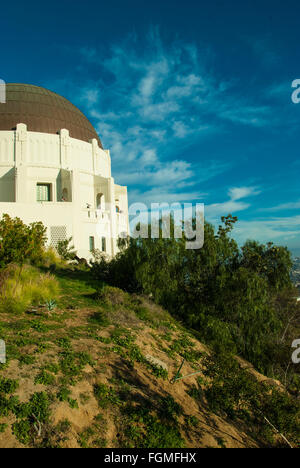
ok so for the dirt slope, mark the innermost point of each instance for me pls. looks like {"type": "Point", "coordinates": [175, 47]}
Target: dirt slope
{"type": "Point", "coordinates": [91, 366]}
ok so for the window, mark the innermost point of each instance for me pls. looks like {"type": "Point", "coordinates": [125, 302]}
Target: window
{"type": "Point", "coordinates": [103, 244]}
{"type": "Point", "coordinates": [100, 201]}
{"type": "Point", "coordinates": [43, 192]}
{"type": "Point", "coordinates": [92, 244]}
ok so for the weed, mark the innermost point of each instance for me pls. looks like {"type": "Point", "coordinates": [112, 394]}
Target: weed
{"type": "Point", "coordinates": [192, 421]}
{"type": "Point", "coordinates": [106, 396]}
{"type": "Point", "coordinates": [44, 378]}
{"type": "Point", "coordinates": [63, 426]}
{"type": "Point", "coordinates": [21, 429]}
{"type": "Point", "coordinates": [84, 398]}
{"type": "Point", "coordinates": [3, 427]}
{"type": "Point", "coordinates": [64, 343]}
{"type": "Point", "coordinates": [8, 386]}
{"type": "Point", "coordinates": [169, 408]}
{"type": "Point", "coordinates": [27, 360]}
{"type": "Point", "coordinates": [99, 318]}
{"type": "Point", "coordinates": [39, 326]}
{"type": "Point", "coordinates": [145, 430]}
{"type": "Point", "coordinates": [51, 305]}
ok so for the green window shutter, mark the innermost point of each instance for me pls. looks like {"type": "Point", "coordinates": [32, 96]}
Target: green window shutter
{"type": "Point", "coordinates": [92, 244]}
{"type": "Point", "coordinates": [43, 192]}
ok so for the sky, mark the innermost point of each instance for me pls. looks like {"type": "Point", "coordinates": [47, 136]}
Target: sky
{"type": "Point", "coordinates": [192, 98]}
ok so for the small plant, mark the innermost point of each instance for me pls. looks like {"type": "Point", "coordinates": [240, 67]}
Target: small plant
{"type": "Point", "coordinates": [158, 371]}
{"type": "Point", "coordinates": [106, 396]}
{"type": "Point", "coordinates": [145, 429]}
{"type": "Point", "coordinates": [51, 305]}
{"type": "Point", "coordinates": [8, 386]}
{"type": "Point", "coordinates": [3, 427]}
{"type": "Point", "coordinates": [31, 416]}
{"type": "Point", "coordinates": [169, 408]}
{"type": "Point", "coordinates": [44, 378]}
{"type": "Point", "coordinates": [27, 360]}
{"type": "Point", "coordinates": [63, 426]}
{"type": "Point", "coordinates": [39, 326]}
{"type": "Point", "coordinates": [21, 429]}
{"type": "Point", "coordinates": [99, 318]}
{"type": "Point", "coordinates": [192, 421]}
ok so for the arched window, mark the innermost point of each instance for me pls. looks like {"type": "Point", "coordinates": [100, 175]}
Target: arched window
{"type": "Point", "coordinates": [65, 195]}
{"type": "Point", "coordinates": [100, 201]}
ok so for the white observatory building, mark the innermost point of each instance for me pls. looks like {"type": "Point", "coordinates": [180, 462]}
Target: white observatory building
{"type": "Point", "coordinates": [54, 169]}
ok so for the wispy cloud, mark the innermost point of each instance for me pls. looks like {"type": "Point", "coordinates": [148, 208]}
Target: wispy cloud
{"type": "Point", "coordinates": [283, 207]}
{"type": "Point", "coordinates": [151, 102]}
{"type": "Point", "coordinates": [282, 229]}
{"type": "Point", "coordinates": [234, 205]}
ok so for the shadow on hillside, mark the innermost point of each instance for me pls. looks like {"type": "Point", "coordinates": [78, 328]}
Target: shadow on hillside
{"type": "Point", "coordinates": [82, 276]}
{"type": "Point", "coordinates": [146, 396]}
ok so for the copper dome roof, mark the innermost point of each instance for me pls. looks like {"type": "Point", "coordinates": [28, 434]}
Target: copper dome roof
{"type": "Point", "coordinates": [43, 111]}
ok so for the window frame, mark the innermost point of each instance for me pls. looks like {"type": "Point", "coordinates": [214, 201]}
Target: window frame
{"type": "Point", "coordinates": [47, 185]}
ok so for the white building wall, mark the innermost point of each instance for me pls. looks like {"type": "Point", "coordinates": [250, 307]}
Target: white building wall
{"type": "Point", "coordinates": [77, 172]}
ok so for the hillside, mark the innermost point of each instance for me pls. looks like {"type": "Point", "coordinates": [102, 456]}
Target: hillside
{"type": "Point", "coordinates": [88, 374]}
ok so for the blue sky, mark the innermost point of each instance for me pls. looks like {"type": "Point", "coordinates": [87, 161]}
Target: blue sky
{"type": "Point", "coordinates": [193, 98]}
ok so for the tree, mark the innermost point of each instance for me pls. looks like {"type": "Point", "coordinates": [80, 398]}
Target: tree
{"type": "Point", "coordinates": [20, 242]}
{"type": "Point", "coordinates": [225, 293]}
{"type": "Point", "coordinates": [65, 250]}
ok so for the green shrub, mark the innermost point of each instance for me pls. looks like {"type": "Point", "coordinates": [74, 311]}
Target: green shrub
{"type": "Point", "coordinates": [106, 396]}
{"type": "Point", "coordinates": [239, 395]}
{"type": "Point", "coordinates": [19, 242]}
{"type": "Point", "coordinates": [50, 259]}
{"type": "Point", "coordinates": [65, 250]}
{"type": "Point", "coordinates": [228, 294]}
{"type": "Point", "coordinates": [44, 378]}
{"type": "Point", "coordinates": [8, 386]}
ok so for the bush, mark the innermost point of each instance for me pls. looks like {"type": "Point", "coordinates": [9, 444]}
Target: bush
{"type": "Point", "coordinates": [65, 250]}
{"type": "Point", "coordinates": [50, 259]}
{"type": "Point", "coordinates": [226, 293]}
{"type": "Point", "coordinates": [239, 395]}
{"type": "Point", "coordinates": [22, 287]}
{"type": "Point", "coordinates": [19, 242]}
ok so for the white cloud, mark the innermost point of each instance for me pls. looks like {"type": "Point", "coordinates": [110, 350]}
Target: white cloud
{"type": "Point", "coordinates": [152, 101]}
{"type": "Point", "coordinates": [284, 206]}
{"type": "Point", "coordinates": [236, 193]}
{"type": "Point", "coordinates": [281, 230]}
{"type": "Point", "coordinates": [233, 205]}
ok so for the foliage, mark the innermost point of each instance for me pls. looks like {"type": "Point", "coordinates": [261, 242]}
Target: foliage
{"type": "Point", "coordinates": [50, 259]}
{"type": "Point", "coordinates": [106, 396]}
{"type": "Point", "coordinates": [19, 242]}
{"type": "Point", "coordinates": [8, 386]}
{"type": "Point", "coordinates": [66, 250]}
{"type": "Point", "coordinates": [239, 395]}
{"type": "Point", "coordinates": [153, 427]}
{"type": "Point", "coordinates": [22, 287]}
{"type": "Point", "coordinates": [227, 294]}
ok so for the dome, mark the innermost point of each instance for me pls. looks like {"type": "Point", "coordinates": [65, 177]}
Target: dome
{"type": "Point", "coordinates": [43, 111]}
